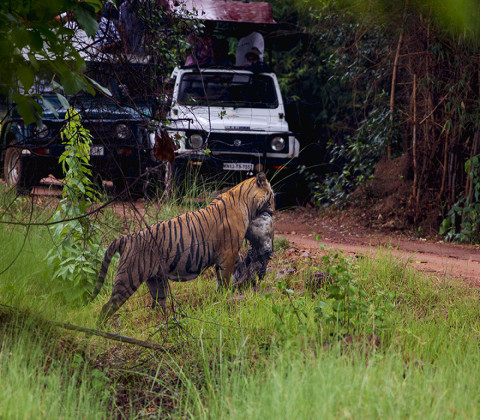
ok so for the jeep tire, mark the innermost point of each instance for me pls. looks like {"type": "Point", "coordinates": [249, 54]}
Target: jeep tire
{"type": "Point", "coordinates": [158, 182]}
{"type": "Point", "coordinates": [16, 174]}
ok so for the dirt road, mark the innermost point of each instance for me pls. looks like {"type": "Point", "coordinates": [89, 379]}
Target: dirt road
{"type": "Point", "coordinates": [444, 260]}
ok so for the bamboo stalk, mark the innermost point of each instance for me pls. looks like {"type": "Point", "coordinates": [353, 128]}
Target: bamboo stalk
{"type": "Point", "coordinates": [473, 151]}
{"type": "Point", "coordinates": [392, 92]}
{"type": "Point", "coordinates": [472, 154]}
{"type": "Point", "coordinates": [451, 187]}
{"type": "Point", "coordinates": [444, 171]}
{"type": "Point", "coordinates": [427, 106]}
{"type": "Point", "coordinates": [414, 137]}
{"type": "Point", "coordinates": [467, 181]}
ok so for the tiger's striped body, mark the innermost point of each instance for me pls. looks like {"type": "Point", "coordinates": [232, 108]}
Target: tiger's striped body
{"type": "Point", "coordinates": [180, 248]}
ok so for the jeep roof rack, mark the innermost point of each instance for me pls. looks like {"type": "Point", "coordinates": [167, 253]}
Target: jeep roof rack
{"type": "Point", "coordinates": [224, 11]}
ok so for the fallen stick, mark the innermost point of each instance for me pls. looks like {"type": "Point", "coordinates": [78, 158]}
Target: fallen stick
{"type": "Point", "coordinates": [110, 336]}
{"type": "Point", "coordinates": [104, 334]}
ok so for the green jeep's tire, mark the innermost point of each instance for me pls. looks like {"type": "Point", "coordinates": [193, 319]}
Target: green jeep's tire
{"type": "Point", "coordinates": [15, 172]}
{"type": "Point", "coordinates": [154, 184]}
{"type": "Point", "coordinates": [158, 183]}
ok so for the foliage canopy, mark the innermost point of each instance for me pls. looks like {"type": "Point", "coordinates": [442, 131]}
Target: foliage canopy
{"type": "Point", "coordinates": [32, 35]}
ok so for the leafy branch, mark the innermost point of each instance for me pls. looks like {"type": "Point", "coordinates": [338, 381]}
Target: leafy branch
{"type": "Point", "coordinates": [77, 252]}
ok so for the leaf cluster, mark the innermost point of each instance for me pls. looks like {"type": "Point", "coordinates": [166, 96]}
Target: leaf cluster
{"type": "Point", "coordinates": [357, 157]}
{"type": "Point", "coordinates": [294, 309]}
{"type": "Point", "coordinates": [337, 70]}
{"type": "Point", "coordinates": [342, 308]}
{"type": "Point", "coordinates": [347, 307]}
{"type": "Point", "coordinates": [33, 37]}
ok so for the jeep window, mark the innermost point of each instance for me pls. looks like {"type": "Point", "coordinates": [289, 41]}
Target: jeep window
{"type": "Point", "coordinates": [227, 89]}
{"type": "Point", "coordinates": [131, 84]}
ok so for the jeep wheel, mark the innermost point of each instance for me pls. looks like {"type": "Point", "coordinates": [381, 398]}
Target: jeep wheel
{"type": "Point", "coordinates": [158, 183]}
{"type": "Point", "coordinates": [15, 172]}
{"type": "Point", "coordinates": [125, 189]}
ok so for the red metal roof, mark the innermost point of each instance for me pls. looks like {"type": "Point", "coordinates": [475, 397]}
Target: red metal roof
{"type": "Point", "coordinates": [225, 11]}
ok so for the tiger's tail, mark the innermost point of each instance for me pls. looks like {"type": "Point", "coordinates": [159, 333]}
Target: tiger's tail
{"type": "Point", "coordinates": [113, 248]}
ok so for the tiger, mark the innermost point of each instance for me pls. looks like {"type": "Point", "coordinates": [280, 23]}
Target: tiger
{"type": "Point", "coordinates": [179, 249]}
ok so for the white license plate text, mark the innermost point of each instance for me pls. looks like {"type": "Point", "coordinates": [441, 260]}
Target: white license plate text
{"type": "Point", "coordinates": [237, 166]}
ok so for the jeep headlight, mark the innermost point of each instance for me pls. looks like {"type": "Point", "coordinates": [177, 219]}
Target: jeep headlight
{"type": "Point", "coordinates": [195, 141]}
{"type": "Point", "coordinates": [41, 130]}
{"type": "Point", "coordinates": [122, 131]}
{"type": "Point", "coordinates": [277, 144]}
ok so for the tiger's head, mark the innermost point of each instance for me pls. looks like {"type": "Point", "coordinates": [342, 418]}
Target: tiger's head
{"type": "Point", "coordinates": [263, 199]}
{"type": "Point", "coordinates": [255, 195]}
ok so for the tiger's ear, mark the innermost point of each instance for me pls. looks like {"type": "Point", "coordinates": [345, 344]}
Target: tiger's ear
{"type": "Point", "coordinates": [261, 179]}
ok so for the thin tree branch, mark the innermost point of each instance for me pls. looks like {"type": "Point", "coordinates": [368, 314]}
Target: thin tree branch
{"type": "Point", "coordinates": [111, 336]}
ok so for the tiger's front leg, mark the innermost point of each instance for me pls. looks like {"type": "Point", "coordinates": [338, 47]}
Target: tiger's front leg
{"type": "Point", "coordinates": [157, 286]}
{"type": "Point", "coordinates": [225, 271]}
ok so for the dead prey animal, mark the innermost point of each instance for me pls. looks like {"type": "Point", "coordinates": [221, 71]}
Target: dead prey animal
{"type": "Point", "coordinates": [260, 234]}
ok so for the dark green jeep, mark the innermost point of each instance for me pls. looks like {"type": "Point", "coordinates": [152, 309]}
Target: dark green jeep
{"type": "Point", "coordinates": [121, 126]}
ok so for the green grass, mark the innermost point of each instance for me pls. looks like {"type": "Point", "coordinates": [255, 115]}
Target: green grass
{"type": "Point", "coordinates": [250, 354]}
{"type": "Point", "coordinates": [425, 365]}
{"type": "Point", "coordinates": [43, 374]}
{"type": "Point", "coordinates": [329, 384]}
{"type": "Point", "coordinates": [22, 270]}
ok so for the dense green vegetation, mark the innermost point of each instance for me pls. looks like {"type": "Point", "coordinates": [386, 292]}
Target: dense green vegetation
{"type": "Point", "coordinates": [377, 80]}
{"type": "Point", "coordinates": [381, 341]}
{"type": "Point", "coordinates": [44, 373]}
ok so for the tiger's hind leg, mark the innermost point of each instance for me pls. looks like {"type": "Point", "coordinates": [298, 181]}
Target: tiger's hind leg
{"type": "Point", "coordinates": [123, 287]}
{"type": "Point", "coordinates": [157, 283]}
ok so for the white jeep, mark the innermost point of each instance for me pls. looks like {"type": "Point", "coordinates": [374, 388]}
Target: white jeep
{"type": "Point", "coordinates": [230, 121]}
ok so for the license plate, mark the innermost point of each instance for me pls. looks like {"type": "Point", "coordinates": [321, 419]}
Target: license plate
{"type": "Point", "coordinates": [96, 151]}
{"type": "Point", "coordinates": [237, 166]}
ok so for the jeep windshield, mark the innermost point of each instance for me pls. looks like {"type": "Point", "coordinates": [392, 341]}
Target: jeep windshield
{"type": "Point", "coordinates": [131, 86]}
{"type": "Point", "coordinates": [227, 89]}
